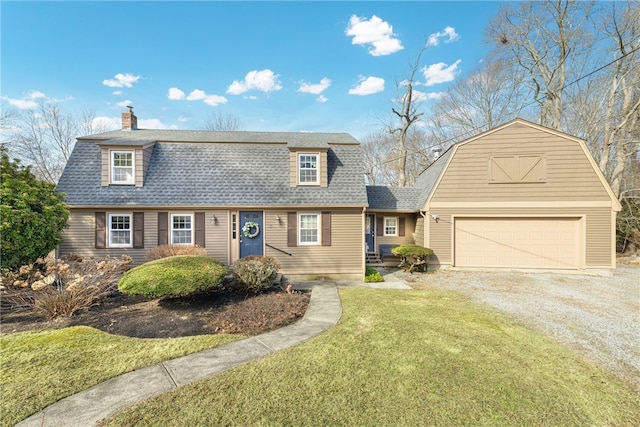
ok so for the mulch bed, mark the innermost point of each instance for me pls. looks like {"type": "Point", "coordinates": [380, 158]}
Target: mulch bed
{"type": "Point", "coordinates": [225, 310]}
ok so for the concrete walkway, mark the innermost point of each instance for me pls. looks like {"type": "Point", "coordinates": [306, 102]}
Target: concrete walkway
{"type": "Point", "coordinates": [102, 401]}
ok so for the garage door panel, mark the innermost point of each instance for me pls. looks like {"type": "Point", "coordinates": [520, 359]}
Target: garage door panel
{"type": "Point", "coordinates": [517, 242]}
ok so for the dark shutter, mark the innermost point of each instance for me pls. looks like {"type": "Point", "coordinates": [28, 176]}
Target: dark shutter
{"type": "Point", "coordinates": [379, 226]}
{"type": "Point", "coordinates": [326, 228]}
{"type": "Point", "coordinates": [401, 226]}
{"type": "Point", "coordinates": [138, 230]}
{"type": "Point", "coordinates": [163, 228]}
{"type": "Point", "coordinates": [199, 219]}
{"type": "Point", "coordinates": [101, 230]}
{"type": "Point", "coordinates": [292, 229]}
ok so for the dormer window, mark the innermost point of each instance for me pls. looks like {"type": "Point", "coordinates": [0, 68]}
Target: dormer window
{"type": "Point", "coordinates": [122, 167]}
{"type": "Point", "coordinates": [308, 169]}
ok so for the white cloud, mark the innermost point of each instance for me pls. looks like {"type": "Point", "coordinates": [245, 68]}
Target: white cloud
{"type": "Point", "coordinates": [175, 94]}
{"type": "Point", "coordinates": [121, 80]}
{"type": "Point", "coordinates": [265, 81]}
{"type": "Point", "coordinates": [449, 34]}
{"type": "Point", "coordinates": [440, 73]}
{"type": "Point", "coordinates": [196, 95]}
{"type": "Point", "coordinates": [322, 98]}
{"type": "Point", "coordinates": [124, 104]}
{"type": "Point", "coordinates": [423, 96]}
{"type": "Point", "coordinates": [315, 89]}
{"type": "Point", "coordinates": [183, 119]}
{"type": "Point", "coordinates": [27, 102]}
{"type": "Point", "coordinates": [107, 123]}
{"type": "Point", "coordinates": [214, 100]}
{"type": "Point", "coordinates": [153, 124]}
{"type": "Point", "coordinates": [376, 32]}
{"type": "Point", "coordinates": [367, 86]}
{"type": "Point", "coordinates": [117, 92]}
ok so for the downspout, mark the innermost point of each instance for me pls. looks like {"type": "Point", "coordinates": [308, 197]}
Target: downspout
{"type": "Point", "coordinates": [425, 228]}
{"type": "Point", "coordinates": [364, 243]}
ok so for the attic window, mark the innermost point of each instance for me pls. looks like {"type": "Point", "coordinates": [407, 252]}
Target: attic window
{"type": "Point", "coordinates": [517, 169]}
{"type": "Point", "coordinates": [308, 169]}
{"type": "Point", "coordinates": [122, 167]}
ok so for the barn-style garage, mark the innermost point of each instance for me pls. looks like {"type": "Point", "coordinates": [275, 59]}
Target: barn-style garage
{"type": "Point", "coordinates": [519, 196]}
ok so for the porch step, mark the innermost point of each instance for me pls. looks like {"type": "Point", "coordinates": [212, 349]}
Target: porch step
{"type": "Point", "coordinates": [373, 259]}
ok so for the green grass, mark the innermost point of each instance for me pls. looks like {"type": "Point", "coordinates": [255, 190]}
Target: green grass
{"type": "Point", "coordinates": [405, 358]}
{"type": "Point", "coordinates": [40, 368]}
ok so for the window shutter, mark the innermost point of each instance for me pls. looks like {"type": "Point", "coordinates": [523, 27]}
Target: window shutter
{"type": "Point", "coordinates": [199, 238]}
{"type": "Point", "coordinates": [326, 228]}
{"type": "Point", "coordinates": [163, 228]}
{"type": "Point", "coordinates": [292, 229]}
{"type": "Point", "coordinates": [379, 226]}
{"type": "Point", "coordinates": [401, 226]}
{"type": "Point", "coordinates": [138, 230]}
{"type": "Point", "coordinates": [101, 230]}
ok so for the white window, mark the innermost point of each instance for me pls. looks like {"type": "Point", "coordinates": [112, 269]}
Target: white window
{"type": "Point", "coordinates": [122, 167]}
{"type": "Point", "coordinates": [120, 230]}
{"type": "Point", "coordinates": [308, 169]}
{"type": "Point", "coordinates": [390, 226]}
{"type": "Point", "coordinates": [309, 229]}
{"type": "Point", "coordinates": [181, 229]}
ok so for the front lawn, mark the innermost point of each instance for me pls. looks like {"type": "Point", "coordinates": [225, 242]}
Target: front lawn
{"type": "Point", "coordinates": [405, 358]}
{"type": "Point", "coordinates": [40, 368]}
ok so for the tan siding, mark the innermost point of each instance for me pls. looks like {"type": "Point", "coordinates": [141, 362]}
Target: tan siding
{"type": "Point", "coordinates": [147, 152]}
{"type": "Point", "coordinates": [597, 232]}
{"type": "Point", "coordinates": [344, 256]}
{"type": "Point", "coordinates": [105, 179]}
{"type": "Point", "coordinates": [419, 231]}
{"type": "Point", "coordinates": [139, 167]}
{"type": "Point", "coordinates": [569, 174]}
{"type": "Point", "coordinates": [293, 168]}
{"type": "Point", "coordinates": [407, 239]}
{"type": "Point", "coordinates": [79, 236]}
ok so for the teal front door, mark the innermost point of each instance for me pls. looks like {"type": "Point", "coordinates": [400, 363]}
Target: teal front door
{"type": "Point", "coordinates": [251, 233]}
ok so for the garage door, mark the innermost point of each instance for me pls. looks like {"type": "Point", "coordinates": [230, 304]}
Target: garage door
{"type": "Point", "coordinates": [518, 242]}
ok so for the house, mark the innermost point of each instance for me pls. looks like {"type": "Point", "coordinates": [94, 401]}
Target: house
{"type": "Point", "coordinates": [299, 197]}
{"type": "Point", "coordinates": [517, 196]}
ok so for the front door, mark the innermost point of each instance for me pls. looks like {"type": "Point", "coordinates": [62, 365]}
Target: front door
{"type": "Point", "coordinates": [370, 232]}
{"type": "Point", "coordinates": [251, 240]}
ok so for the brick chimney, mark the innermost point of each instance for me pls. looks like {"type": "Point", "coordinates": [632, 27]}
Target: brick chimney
{"type": "Point", "coordinates": [129, 120]}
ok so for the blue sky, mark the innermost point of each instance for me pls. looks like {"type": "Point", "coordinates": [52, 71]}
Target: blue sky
{"type": "Point", "coordinates": [276, 66]}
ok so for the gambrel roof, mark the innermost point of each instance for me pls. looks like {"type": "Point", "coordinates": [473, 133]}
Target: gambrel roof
{"type": "Point", "coordinates": [207, 168]}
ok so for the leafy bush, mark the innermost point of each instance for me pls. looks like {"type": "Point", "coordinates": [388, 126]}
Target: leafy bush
{"type": "Point", "coordinates": [255, 273]}
{"type": "Point", "coordinates": [174, 276]}
{"type": "Point", "coordinates": [372, 275]}
{"type": "Point", "coordinates": [165, 251]}
{"type": "Point", "coordinates": [412, 256]}
{"type": "Point", "coordinates": [33, 215]}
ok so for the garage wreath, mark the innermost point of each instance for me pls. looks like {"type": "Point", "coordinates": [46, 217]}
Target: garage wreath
{"type": "Point", "coordinates": [246, 229]}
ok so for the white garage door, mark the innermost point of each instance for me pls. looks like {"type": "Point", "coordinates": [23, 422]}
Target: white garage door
{"type": "Point", "coordinates": [518, 242]}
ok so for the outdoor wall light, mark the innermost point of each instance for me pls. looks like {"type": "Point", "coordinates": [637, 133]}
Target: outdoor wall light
{"type": "Point", "coordinates": [214, 219]}
{"type": "Point", "coordinates": [278, 219]}
{"type": "Point", "coordinates": [436, 218]}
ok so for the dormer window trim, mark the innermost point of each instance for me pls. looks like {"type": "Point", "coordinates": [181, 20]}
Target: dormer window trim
{"type": "Point", "coordinates": [308, 165]}
{"type": "Point", "coordinates": [116, 167]}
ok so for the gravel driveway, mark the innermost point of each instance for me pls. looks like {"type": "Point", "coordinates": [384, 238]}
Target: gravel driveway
{"type": "Point", "coordinates": [597, 317]}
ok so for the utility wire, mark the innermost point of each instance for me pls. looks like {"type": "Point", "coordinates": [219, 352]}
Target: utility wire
{"type": "Point", "coordinates": [476, 129]}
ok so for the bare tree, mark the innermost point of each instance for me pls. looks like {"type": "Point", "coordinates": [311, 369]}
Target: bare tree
{"type": "Point", "coordinates": [222, 122]}
{"type": "Point", "coordinates": [549, 40]}
{"type": "Point", "coordinates": [44, 137]}
{"type": "Point", "coordinates": [405, 115]}
{"type": "Point", "coordinates": [487, 97]}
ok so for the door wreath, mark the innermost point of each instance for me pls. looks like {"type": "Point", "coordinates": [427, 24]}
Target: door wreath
{"type": "Point", "coordinates": [246, 229]}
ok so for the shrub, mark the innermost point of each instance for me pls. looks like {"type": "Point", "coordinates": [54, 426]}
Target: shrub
{"type": "Point", "coordinates": [165, 251]}
{"type": "Point", "coordinates": [64, 287]}
{"type": "Point", "coordinates": [372, 275]}
{"type": "Point", "coordinates": [33, 215]}
{"type": "Point", "coordinates": [175, 276]}
{"type": "Point", "coordinates": [412, 256]}
{"type": "Point", "coordinates": [255, 273]}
